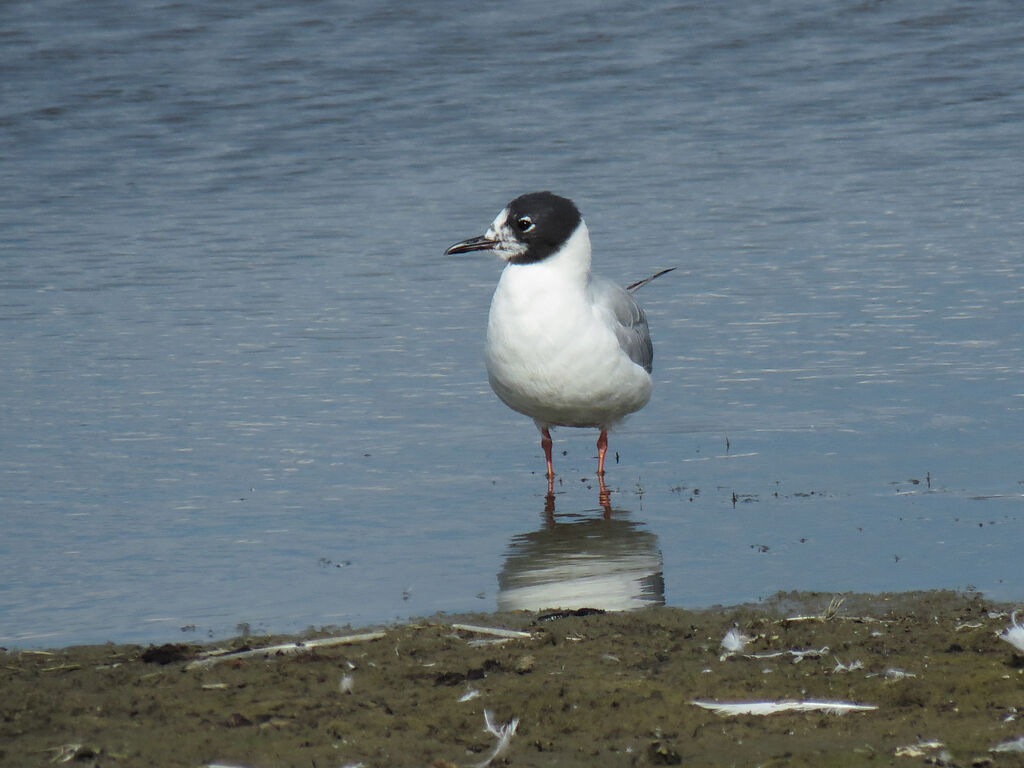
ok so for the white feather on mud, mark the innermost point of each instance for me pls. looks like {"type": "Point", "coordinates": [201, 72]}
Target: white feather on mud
{"type": "Point", "coordinates": [734, 642]}
{"type": "Point", "coordinates": [1012, 745]}
{"type": "Point", "coordinates": [1014, 634]}
{"type": "Point", "coordinates": [503, 733]}
{"type": "Point", "coordinates": [733, 708]}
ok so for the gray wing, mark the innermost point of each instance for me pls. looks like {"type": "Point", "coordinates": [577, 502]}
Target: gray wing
{"type": "Point", "coordinates": [630, 321]}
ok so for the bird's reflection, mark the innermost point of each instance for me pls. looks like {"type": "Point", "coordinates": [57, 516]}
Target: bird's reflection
{"type": "Point", "coordinates": [586, 560]}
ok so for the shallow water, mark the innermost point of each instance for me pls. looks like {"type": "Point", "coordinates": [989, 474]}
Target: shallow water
{"type": "Point", "coordinates": [242, 384]}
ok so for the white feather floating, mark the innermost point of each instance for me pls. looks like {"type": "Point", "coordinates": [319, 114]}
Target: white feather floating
{"type": "Point", "coordinates": [733, 708]}
{"type": "Point", "coordinates": [1014, 634]}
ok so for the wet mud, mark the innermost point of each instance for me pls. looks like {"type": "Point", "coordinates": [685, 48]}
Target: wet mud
{"type": "Point", "coordinates": [578, 689]}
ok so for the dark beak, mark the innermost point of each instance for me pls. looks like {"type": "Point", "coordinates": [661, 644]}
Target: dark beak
{"type": "Point", "coordinates": [480, 243]}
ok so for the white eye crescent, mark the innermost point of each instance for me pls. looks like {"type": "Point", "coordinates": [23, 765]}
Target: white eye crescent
{"type": "Point", "coordinates": [524, 224]}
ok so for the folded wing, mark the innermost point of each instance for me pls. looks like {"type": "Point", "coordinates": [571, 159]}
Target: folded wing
{"type": "Point", "coordinates": [630, 323]}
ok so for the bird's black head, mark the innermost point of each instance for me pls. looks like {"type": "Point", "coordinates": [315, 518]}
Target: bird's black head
{"type": "Point", "coordinates": [543, 222]}
{"type": "Point", "coordinates": [529, 229]}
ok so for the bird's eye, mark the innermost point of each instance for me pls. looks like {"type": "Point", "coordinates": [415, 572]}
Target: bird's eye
{"type": "Point", "coordinates": [524, 223]}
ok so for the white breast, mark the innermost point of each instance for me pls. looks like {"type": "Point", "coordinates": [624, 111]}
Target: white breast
{"type": "Point", "coordinates": [554, 356]}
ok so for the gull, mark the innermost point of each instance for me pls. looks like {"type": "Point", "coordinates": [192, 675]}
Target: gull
{"type": "Point", "coordinates": [564, 347]}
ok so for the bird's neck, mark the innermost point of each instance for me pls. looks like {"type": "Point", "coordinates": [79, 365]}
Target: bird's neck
{"type": "Point", "coordinates": [566, 269]}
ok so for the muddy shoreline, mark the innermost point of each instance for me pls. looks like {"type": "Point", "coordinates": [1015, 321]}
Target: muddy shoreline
{"type": "Point", "coordinates": [586, 690]}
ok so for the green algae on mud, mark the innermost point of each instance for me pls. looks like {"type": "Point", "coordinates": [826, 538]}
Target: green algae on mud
{"type": "Point", "coordinates": [598, 689]}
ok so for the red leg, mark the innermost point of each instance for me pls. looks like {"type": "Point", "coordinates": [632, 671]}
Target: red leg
{"type": "Point", "coordinates": [602, 449]}
{"type": "Point", "coordinates": [545, 443]}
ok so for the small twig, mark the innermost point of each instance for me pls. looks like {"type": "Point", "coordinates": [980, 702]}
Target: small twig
{"type": "Point", "coordinates": [798, 656]}
{"type": "Point", "coordinates": [284, 649]}
{"type": "Point", "coordinates": [831, 611]}
{"type": "Point", "coordinates": [496, 631]}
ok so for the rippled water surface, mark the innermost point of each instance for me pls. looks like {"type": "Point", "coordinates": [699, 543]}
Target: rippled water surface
{"type": "Point", "coordinates": [241, 383]}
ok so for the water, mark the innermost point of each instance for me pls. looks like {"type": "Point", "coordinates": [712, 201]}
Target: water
{"type": "Point", "coordinates": [242, 384]}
